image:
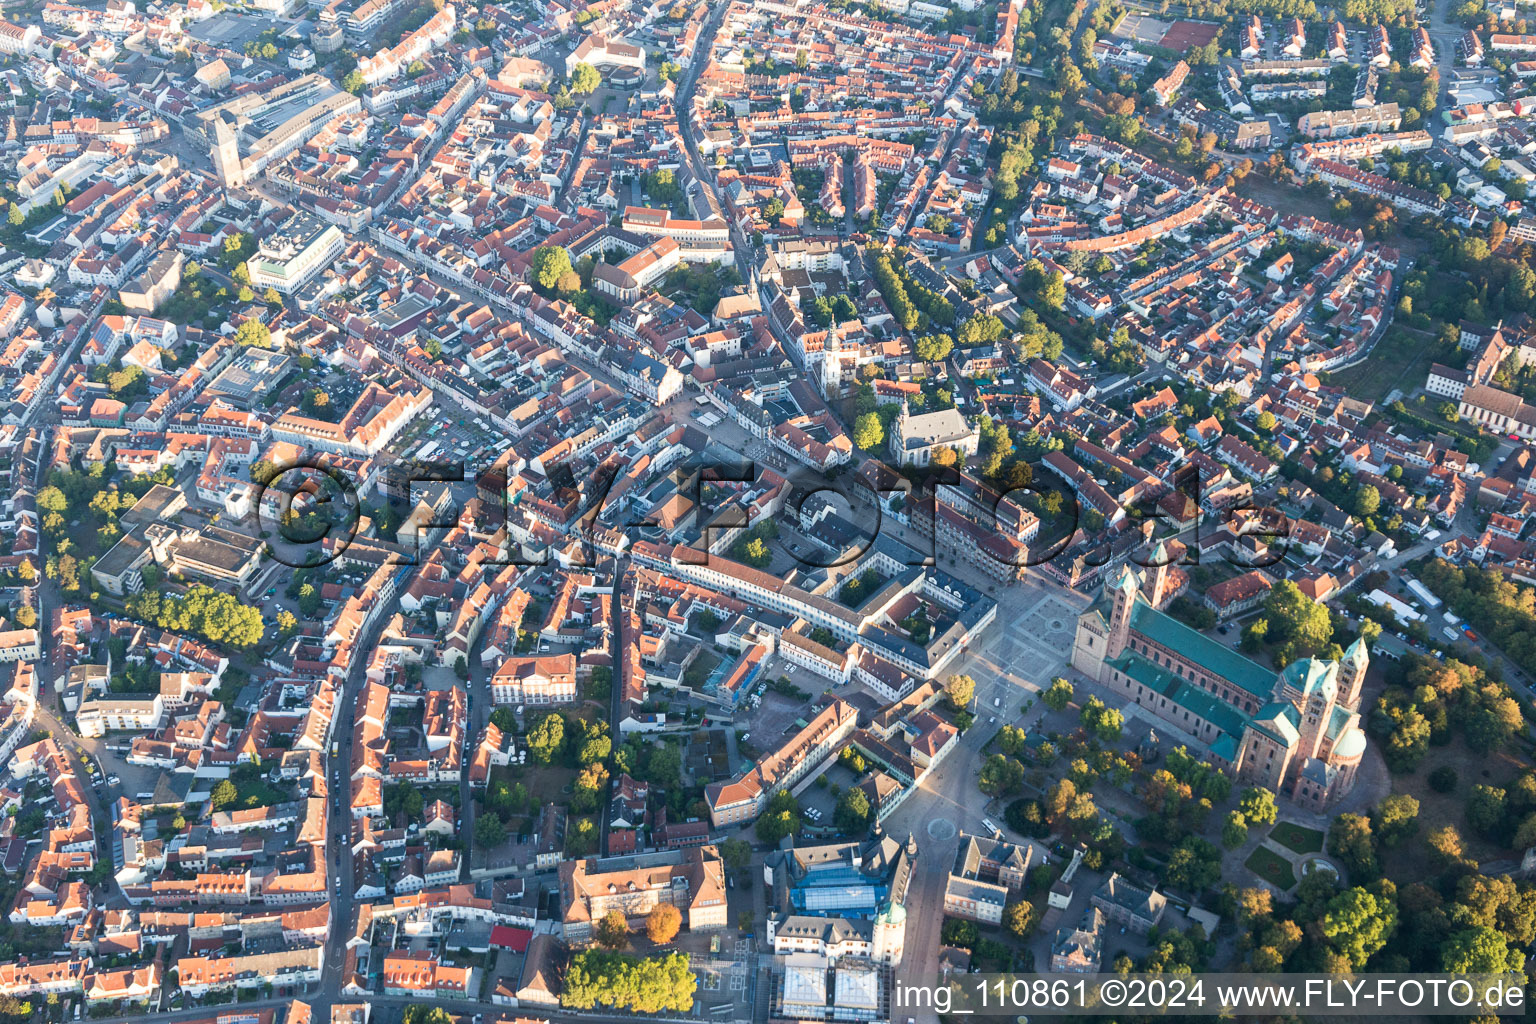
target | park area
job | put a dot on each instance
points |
(1272, 867)
(1400, 362)
(1297, 837)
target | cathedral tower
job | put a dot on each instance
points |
(1352, 674)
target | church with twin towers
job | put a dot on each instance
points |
(1297, 732)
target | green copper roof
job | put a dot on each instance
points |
(1183, 693)
(1211, 655)
(1357, 653)
(1277, 720)
(1308, 675)
(1337, 721)
(1225, 748)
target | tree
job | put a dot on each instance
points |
(309, 599)
(959, 689)
(1485, 809)
(222, 795)
(868, 432)
(756, 553)
(17, 218)
(662, 924)
(737, 854)
(69, 573)
(958, 932)
(1000, 776)
(1492, 724)
(1100, 720)
(1018, 918)
(1058, 696)
(612, 930)
(664, 766)
(781, 818)
(1480, 950)
(489, 831)
(549, 264)
(934, 348)
(853, 812)
(544, 739)
(51, 499)
(1299, 625)
(581, 840)
(595, 747)
(422, 1013)
(1358, 923)
(1257, 806)
(1367, 500)
(1444, 845)
(1254, 904)
(1396, 818)
(650, 985)
(25, 616)
(1350, 840)
(214, 615)
(404, 800)
(585, 79)
(253, 333)
(1235, 832)
(1011, 739)
(587, 790)
(353, 81)
(1194, 865)
(1053, 291)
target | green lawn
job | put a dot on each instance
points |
(253, 789)
(1272, 867)
(1296, 837)
(698, 673)
(1400, 360)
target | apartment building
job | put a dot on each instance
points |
(1125, 904)
(120, 713)
(199, 975)
(548, 679)
(986, 875)
(691, 879)
(742, 799)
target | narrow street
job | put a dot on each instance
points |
(339, 818)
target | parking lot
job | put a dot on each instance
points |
(228, 30)
(451, 437)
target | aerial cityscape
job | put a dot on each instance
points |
(525, 512)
